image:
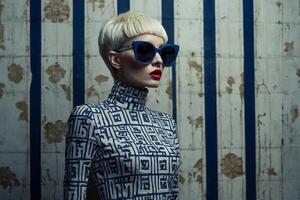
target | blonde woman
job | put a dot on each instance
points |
(128, 150)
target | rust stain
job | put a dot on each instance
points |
(232, 166)
(101, 3)
(55, 72)
(2, 86)
(92, 92)
(169, 90)
(15, 73)
(271, 172)
(54, 132)
(57, 11)
(101, 78)
(294, 113)
(289, 46)
(241, 87)
(8, 178)
(229, 90)
(199, 122)
(181, 179)
(2, 46)
(22, 105)
(195, 65)
(230, 82)
(191, 121)
(199, 165)
(196, 172)
(199, 179)
(200, 78)
(67, 90)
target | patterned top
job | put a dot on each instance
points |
(129, 150)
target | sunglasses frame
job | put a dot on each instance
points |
(135, 44)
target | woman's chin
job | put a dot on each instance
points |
(152, 83)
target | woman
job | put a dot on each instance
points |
(128, 150)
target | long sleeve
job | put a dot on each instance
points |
(79, 152)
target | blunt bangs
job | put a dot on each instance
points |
(120, 29)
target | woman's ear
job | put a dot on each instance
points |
(114, 59)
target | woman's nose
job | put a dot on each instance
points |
(157, 60)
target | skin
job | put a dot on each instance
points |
(133, 72)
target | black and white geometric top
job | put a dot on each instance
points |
(131, 152)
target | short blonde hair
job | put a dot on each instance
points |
(119, 29)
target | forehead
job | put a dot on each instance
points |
(154, 39)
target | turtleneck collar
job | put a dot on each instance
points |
(128, 97)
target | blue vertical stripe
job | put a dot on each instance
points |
(249, 84)
(210, 100)
(123, 6)
(168, 23)
(78, 53)
(35, 99)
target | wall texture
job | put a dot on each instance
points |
(185, 92)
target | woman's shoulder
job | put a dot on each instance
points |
(162, 115)
(88, 109)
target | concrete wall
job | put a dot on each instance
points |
(277, 93)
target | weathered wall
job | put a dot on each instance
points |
(277, 94)
(14, 95)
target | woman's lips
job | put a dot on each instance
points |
(156, 74)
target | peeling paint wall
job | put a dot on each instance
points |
(56, 92)
(14, 100)
(277, 99)
(277, 88)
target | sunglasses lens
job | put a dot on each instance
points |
(145, 52)
(168, 55)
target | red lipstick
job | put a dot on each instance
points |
(156, 74)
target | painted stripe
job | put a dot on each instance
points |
(35, 100)
(210, 100)
(249, 84)
(123, 6)
(78, 53)
(168, 24)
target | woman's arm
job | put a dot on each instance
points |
(79, 152)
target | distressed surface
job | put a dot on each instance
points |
(56, 92)
(190, 97)
(8, 179)
(230, 99)
(277, 94)
(277, 87)
(14, 93)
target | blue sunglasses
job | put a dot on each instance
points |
(144, 52)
